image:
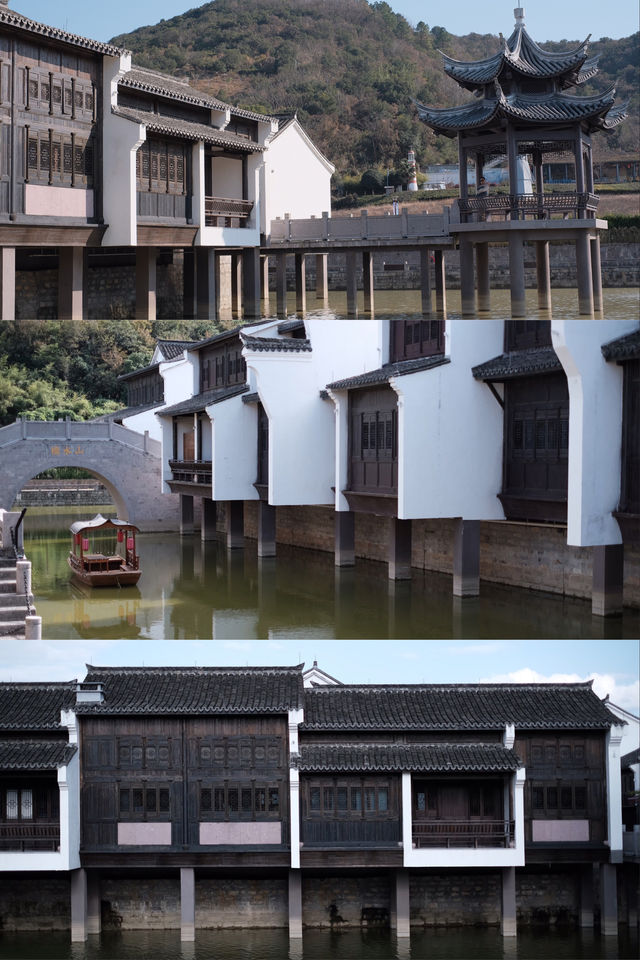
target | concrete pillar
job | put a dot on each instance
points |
(608, 900)
(608, 570)
(399, 549)
(94, 916)
(33, 627)
(23, 577)
(71, 283)
(352, 284)
(345, 554)
(236, 284)
(146, 283)
(186, 514)
(235, 524)
(367, 282)
(78, 906)
(266, 529)
(466, 558)
(189, 284)
(251, 283)
(508, 926)
(281, 284)
(187, 903)
(596, 275)
(322, 278)
(440, 284)
(301, 283)
(484, 285)
(209, 517)
(402, 904)
(206, 286)
(295, 904)
(516, 271)
(543, 275)
(583, 273)
(425, 281)
(264, 285)
(467, 283)
(586, 896)
(7, 283)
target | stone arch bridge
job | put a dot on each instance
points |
(126, 462)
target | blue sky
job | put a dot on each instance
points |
(546, 19)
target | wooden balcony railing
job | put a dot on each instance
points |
(521, 206)
(191, 471)
(464, 833)
(232, 213)
(29, 836)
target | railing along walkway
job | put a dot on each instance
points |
(191, 471)
(464, 833)
(365, 228)
(521, 206)
(29, 836)
(74, 431)
(228, 210)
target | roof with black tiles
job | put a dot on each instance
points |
(276, 344)
(172, 349)
(125, 412)
(35, 706)
(631, 758)
(289, 326)
(35, 754)
(202, 400)
(456, 707)
(12, 19)
(624, 348)
(396, 757)
(519, 363)
(399, 369)
(186, 129)
(195, 690)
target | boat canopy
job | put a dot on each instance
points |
(99, 522)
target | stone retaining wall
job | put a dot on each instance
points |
(60, 493)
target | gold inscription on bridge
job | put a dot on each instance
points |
(56, 451)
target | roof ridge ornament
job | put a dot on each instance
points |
(519, 15)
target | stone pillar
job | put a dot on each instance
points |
(508, 927)
(543, 275)
(467, 284)
(94, 916)
(187, 903)
(209, 518)
(301, 283)
(596, 274)
(71, 283)
(295, 904)
(608, 576)
(235, 524)
(322, 278)
(586, 896)
(425, 281)
(7, 283)
(484, 284)
(251, 283)
(584, 277)
(399, 549)
(206, 286)
(466, 558)
(367, 282)
(236, 284)
(608, 900)
(345, 554)
(352, 284)
(189, 283)
(440, 284)
(402, 904)
(186, 514)
(516, 270)
(266, 529)
(264, 285)
(281, 284)
(78, 906)
(145, 283)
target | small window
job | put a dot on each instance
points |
(261, 799)
(356, 799)
(552, 798)
(274, 800)
(538, 798)
(79, 99)
(205, 799)
(370, 799)
(383, 799)
(580, 794)
(341, 799)
(125, 801)
(151, 801)
(138, 806)
(57, 93)
(314, 798)
(566, 799)
(232, 797)
(88, 101)
(68, 98)
(33, 89)
(44, 92)
(246, 800)
(218, 799)
(164, 800)
(328, 799)
(421, 801)
(12, 805)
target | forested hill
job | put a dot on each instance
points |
(350, 69)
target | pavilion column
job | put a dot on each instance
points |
(537, 163)
(467, 281)
(543, 275)
(484, 284)
(236, 284)
(187, 904)
(264, 285)
(462, 167)
(578, 153)
(189, 283)
(512, 160)
(266, 529)
(399, 549)
(508, 925)
(206, 285)
(94, 916)
(367, 282)
(466, 558)
(251, 283)
(352, 284)
(425, 281)
(584, 276)
(440, 282)
(7, 283)
(516, 271)
(345, 553)
(301, 283)
(209, 518)
(322, 278)
(596, 274)
(186, 514)
(71, 272)
(295, 904)
(608, 900)
(281, 284)
(78, 905)
(608, 570)
(235, 524)
(402, 904)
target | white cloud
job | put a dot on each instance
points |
(622, 692)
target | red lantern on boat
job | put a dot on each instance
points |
(120, 536)
(85, 543)
(130, 543)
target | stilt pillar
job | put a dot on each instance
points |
(352, 284)
(301, 283)
(543, 275)
(235, 524)
(367, 282)
(251, 283)
(425, 281)
(466, 558)
(236, 284)
(399, 549)
(186, 514)
(281, 284)
(7, 283)
(145, 283)
(516, 271)
(345, 554)
(266, 529)
(187, 904)
(596, 274)
(467, 284)
(208, 521)
(439, 281)
(482, 269)
(264, 285)
(322, 278)
(608, 900)
(206, 286)
(189, 284)
(586, 896)
(585, 279)
(78, 905)
(295, 904)
(71, 264)
(508, 927)
(94, 916)
(402, 904)
(608, 576)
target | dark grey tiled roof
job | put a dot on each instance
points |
(126, 412)
(172, 349)
(138, 372)
(389, 370)
(288, 326)
(520, 363)
(624, 348)
(53, 33)
(195, 690)
(202, 400)
(455, 707)
(186, 129)
(276, 344)
(35, 706)
(395, 757)
(630, 758)
(35, 754)
(251, 398)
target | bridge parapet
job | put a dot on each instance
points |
(77, 430)
(406, 226)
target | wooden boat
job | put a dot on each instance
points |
(116, 565)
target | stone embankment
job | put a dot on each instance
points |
(62, 493)
(15, 603)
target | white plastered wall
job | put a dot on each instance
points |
(595, 427)
(180, 383)
(296, 717)
(614, 792)
(247, 236)
(234, 446)
(296, 178)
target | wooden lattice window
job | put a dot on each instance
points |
(34, 88)
(68, 97)
(79, 100)
(88, 101)
(67, 159)
(45, 91)
(32, 153)
(57, 93)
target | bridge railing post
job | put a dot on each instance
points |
(405, 222)
(110, 429)
(23, 428)
(364, 224)
(67, 428)
(145, 445)
(446, 220)
(325, 224)
(287, 220)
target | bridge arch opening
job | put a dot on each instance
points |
(116, 500)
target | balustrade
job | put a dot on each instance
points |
(29, 836)
(521, 206)
(464, 833)
(233, 213)
(191, 471)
